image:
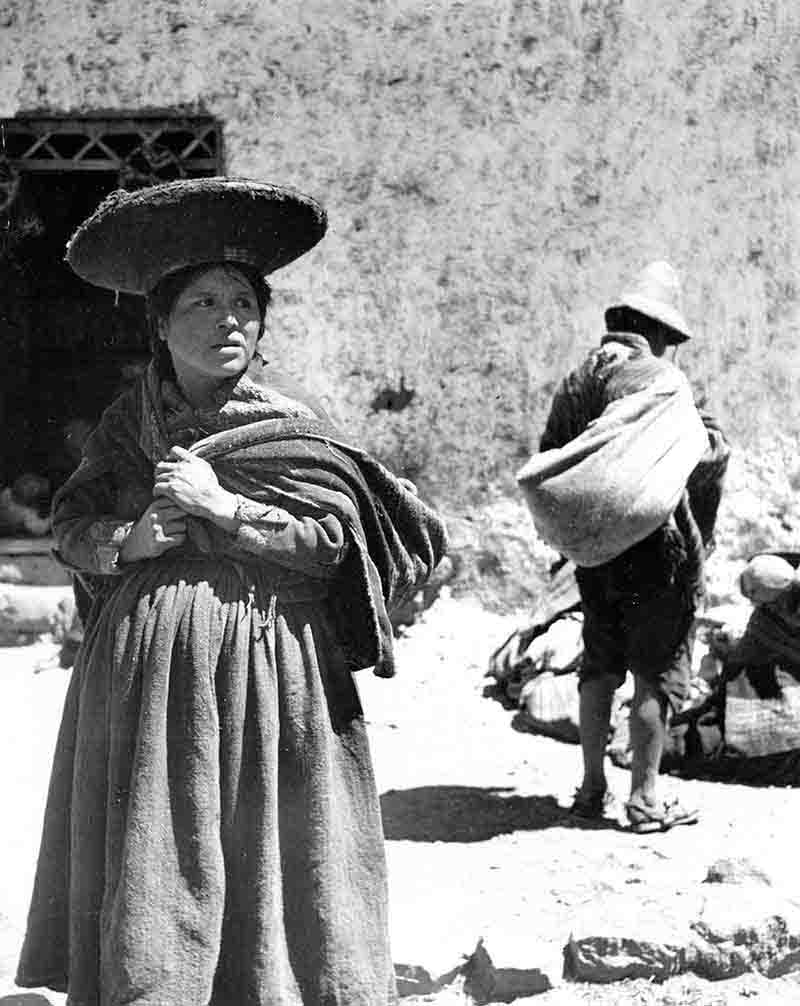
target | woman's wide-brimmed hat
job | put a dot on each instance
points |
(656, 292)
(133, 239)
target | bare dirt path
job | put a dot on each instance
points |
(478, 843)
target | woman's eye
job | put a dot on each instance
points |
(244, 302)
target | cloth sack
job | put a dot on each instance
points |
(620, 479)
(558, 650)
(756, 725)
(515, 660)
(550, 705)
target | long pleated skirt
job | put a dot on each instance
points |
(212, 832)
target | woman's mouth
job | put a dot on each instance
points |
(236, 343)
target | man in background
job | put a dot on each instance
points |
(639, 607)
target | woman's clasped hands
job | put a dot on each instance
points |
(185, 484)
(161, 527)
(191, 483)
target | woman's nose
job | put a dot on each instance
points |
(228, 320)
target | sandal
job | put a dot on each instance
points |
(590, 805)
(661, 817)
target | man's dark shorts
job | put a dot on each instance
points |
(637, 615)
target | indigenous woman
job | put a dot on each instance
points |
(213, 832)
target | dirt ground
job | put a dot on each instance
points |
(479, 845)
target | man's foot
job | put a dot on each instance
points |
(644, 818)
(590, 805)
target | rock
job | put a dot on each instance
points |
(605, 959)
(479, 977)
(736, 871)
(742, 928)
(413, 980)
(484, 982)
(634, 934)
(518, 983)
(729, 929)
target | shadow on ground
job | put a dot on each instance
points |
(471, 814)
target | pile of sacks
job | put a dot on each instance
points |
(742, 716)
(535, 668)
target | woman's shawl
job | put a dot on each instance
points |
(278, 447)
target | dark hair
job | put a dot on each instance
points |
(161, 300)
(627, 319)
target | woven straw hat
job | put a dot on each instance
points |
(133, 239)
(656, 292)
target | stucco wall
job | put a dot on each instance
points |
(493, 174)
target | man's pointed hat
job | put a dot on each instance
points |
(656, 292)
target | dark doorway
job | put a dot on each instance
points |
(66, 347)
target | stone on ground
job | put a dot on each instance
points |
(486, 982)
(737, 870)
(413, 980)
(478, 980)
(734, 923)
(743, 928)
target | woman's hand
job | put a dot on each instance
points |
(161, 527)
(191, 483)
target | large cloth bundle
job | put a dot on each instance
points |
(757, 724)
(620, 479)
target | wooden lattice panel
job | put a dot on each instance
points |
(140, 150)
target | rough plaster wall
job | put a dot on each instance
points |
(493, 173)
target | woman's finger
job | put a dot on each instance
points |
(164, 482)
(167, 543)
(181, 452)
(163, 532)
(165, 467)
(174, 527)
(164, 478)
(162, 503)
(170, 473)
(178, 517)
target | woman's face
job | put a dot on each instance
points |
(213, 327)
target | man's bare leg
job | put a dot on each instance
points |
(648, 727)
(596, 696)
